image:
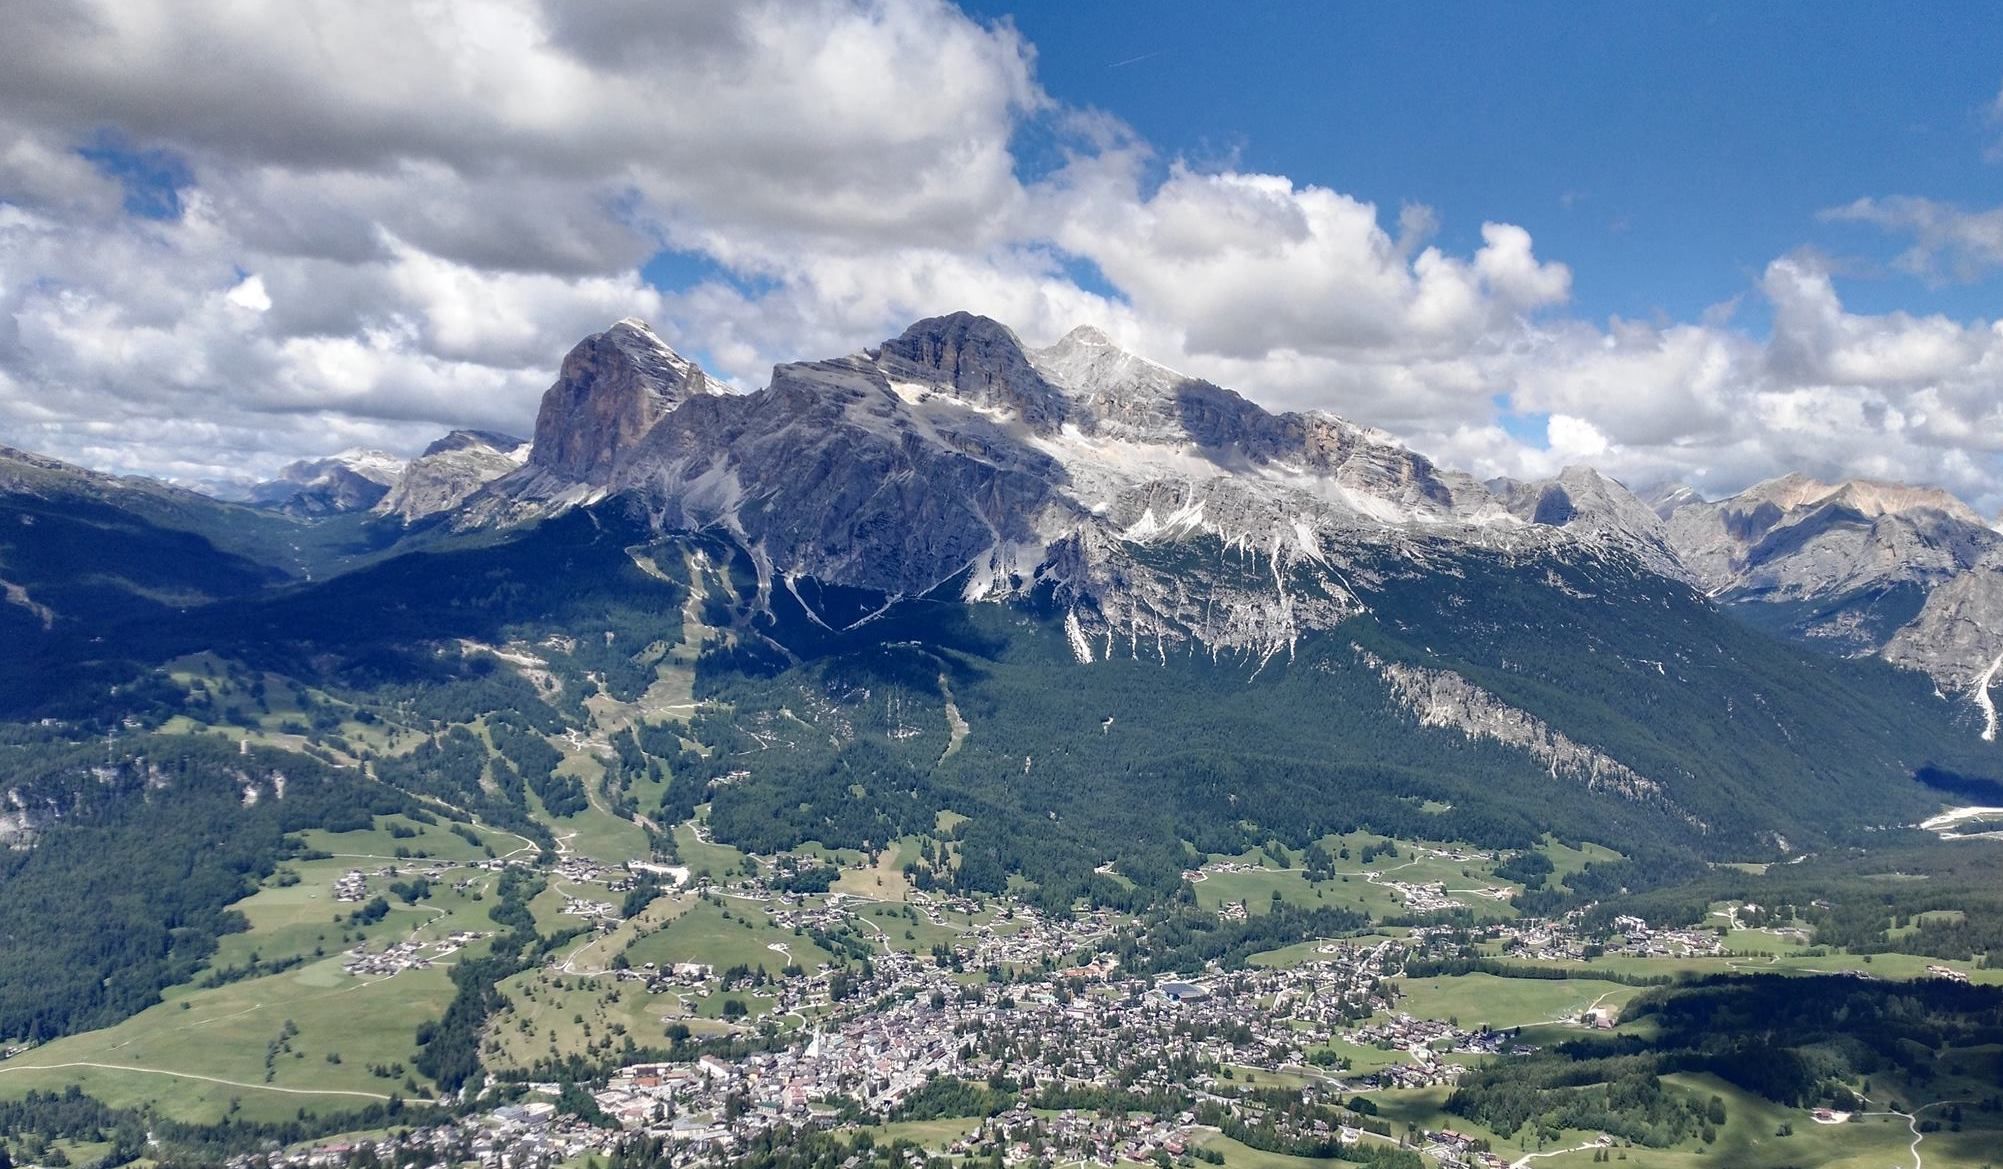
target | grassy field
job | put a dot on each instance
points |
(202, 1048)
(913, 931)
(1889, 966)
(1477, 999)
(885, 880)
(745, 937)
(1355, 885)
(1566, 860)
(553, 1014)
(932, 1135)
(1426, 1108)
(432, 841)
(195, 1054)
(714, 859)
(1750, 1139)
(1240, 1156)
(594, 832)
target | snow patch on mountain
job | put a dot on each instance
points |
(1161, 510)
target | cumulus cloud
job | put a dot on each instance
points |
(1948, 242)
(235, 235)
(1252, 264)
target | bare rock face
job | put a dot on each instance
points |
(1908, 573)
(830, 472)
(1958, 634)
(349, 481)
(1442, 698)
(611, 390)
(450, 470)
(951, 456)
(1120, 398)
(1794, 538)
(1584, 500)
(1161, 511)
(979, 361)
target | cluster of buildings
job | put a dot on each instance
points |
(595, 910)
(352, 885)
(917, 1021)
(1035, 1002)
(1071, 1135)
(516, 1136)
(409, 954)
(1636, 937)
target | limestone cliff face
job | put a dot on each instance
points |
(1862, 567)
(951, 455)
(1958, 634)
(978, 361)
(450, 470)
(612, 388)
(1442, 698)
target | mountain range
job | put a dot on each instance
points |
(1108, 611)
(955, 453)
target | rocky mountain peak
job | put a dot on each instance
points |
(1667, 499)
(978, 360)
(349, 481)
(450, 470)
(1870, 498)
(1786, 493)
(1875, 497)
(612, 388)
(460, 440)
(1582, 499)
(1116, 392)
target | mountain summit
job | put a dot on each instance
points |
(613, 387)
(1862, 566)
(952, 456)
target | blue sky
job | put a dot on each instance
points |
(1666, 152)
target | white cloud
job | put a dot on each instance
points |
(395, 218)
(1948, 242)
(1251, 264)
(250, 295)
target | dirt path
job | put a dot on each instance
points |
(1523, 1162)
(112, 1067)
(1912, 1120)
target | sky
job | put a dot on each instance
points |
(1682, 243)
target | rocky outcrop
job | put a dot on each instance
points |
(978, 361)
(1795, 537)
(1584, 500)
(1121, 399)
(350, 481)
(612, 388)
(952, 456)
(1958, 633)
(1862, 567)
(1442, 698)
(450, 471)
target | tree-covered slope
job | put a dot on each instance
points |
(1477, 696)
(138, 850)
(1749, 745)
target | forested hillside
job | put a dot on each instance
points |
(139, 847)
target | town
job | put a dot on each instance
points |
(1034, 1016)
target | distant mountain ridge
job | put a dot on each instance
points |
(353, 480)
(1911, 574)
(953, 457)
